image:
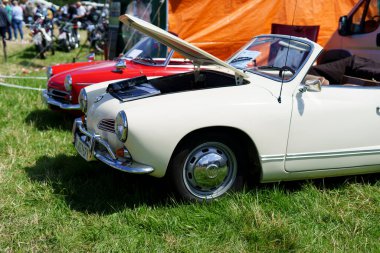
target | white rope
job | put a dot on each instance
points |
(20, 87)
(25, 77)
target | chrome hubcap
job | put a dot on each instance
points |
(210, 170)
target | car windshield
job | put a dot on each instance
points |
(148, 51)
(272, 56)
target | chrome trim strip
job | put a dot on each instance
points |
(272, 158)
(130, 167)
(316, 155)
(332, 154)
(51, 101)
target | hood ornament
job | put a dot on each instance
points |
(120, 66)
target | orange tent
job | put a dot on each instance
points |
(222, 27)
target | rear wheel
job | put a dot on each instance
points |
(205, 169)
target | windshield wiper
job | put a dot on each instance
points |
(147, 59)
(264, 67)
(269, 67)
(241, 59)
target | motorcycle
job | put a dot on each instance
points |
(97, 34)
(42, 35)
(67, 39)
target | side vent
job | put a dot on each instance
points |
(107, 125)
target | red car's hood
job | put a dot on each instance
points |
(58, 68)
(96, 73)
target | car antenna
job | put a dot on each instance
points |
(286, 58)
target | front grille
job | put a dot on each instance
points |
(59, 95)
(107, 125)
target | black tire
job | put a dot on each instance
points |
(206, 167)
(99, 46)
(65, 44)
(40, 50)
(52, 49)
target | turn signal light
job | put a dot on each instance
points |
(120, 152)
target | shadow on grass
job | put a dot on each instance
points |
(27, 53)
(48, 119)
(29, 64)
(26, 56)
(96, 188)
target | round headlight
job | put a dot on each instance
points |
(121, 126)
(83, 100)
(68, 82)
(49, 72)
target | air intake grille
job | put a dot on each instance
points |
(107, 125)
(59, 95)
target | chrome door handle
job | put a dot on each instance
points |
(378, 110)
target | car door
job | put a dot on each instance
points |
(335, 128)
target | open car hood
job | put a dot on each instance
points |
(197, 55)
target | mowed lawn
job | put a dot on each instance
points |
(51, 200)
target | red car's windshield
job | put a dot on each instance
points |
(149, 52)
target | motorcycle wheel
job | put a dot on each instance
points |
(65, 45)
(99, 46)
(52, 49)
(40, 51)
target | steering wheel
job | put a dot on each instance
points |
(286, 68)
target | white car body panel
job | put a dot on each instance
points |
(145, 113)
(347, 134)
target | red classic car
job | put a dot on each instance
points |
(148, 57)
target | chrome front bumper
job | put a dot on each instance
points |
(98, 148)
(51, 101)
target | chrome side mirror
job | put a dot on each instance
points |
(120, 65)
(312, 85)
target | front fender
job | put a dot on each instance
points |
(157, 124)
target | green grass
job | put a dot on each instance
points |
(51, 200)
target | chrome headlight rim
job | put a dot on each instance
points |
(68, 83)
(121, 126)
(83, 100)
(49, 72)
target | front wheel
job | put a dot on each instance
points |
(205, 169)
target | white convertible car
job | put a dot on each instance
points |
(260, 114)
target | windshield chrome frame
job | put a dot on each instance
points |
(136, 59)
(166, 62)
(289, 37)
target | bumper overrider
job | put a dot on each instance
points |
(51, 101)
(92, 147)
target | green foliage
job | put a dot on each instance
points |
(62, 2)
(53, 201)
